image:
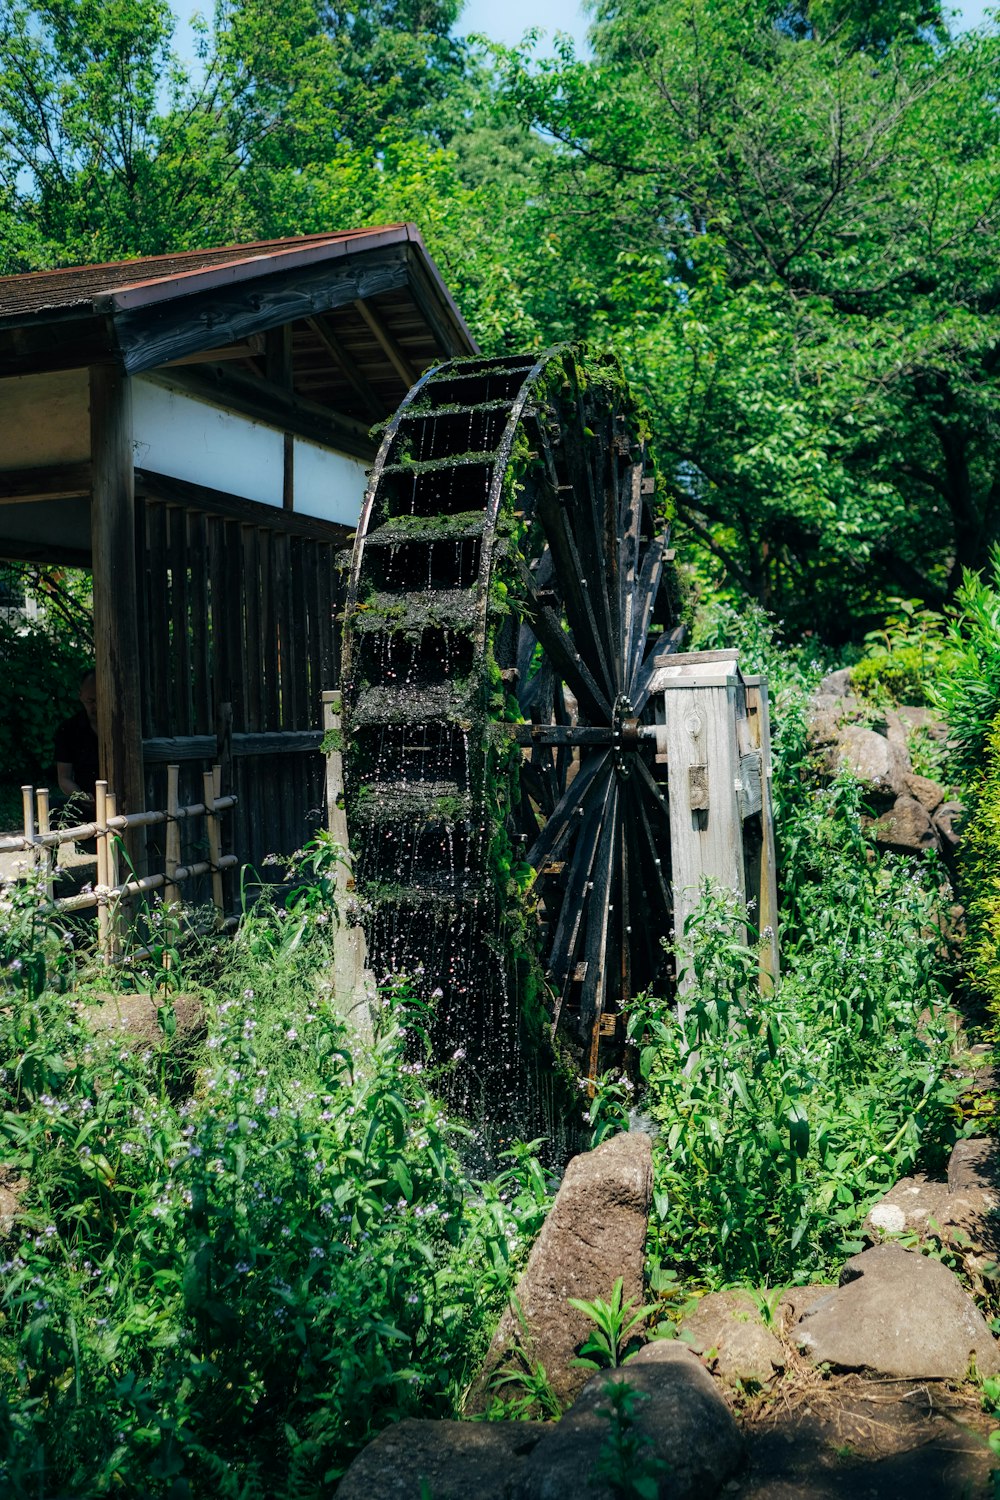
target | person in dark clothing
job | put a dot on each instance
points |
(76, 749)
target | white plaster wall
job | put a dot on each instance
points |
(173, 433)
(327, 484)
(44, 419)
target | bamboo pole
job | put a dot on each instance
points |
(13, 843)
(45, 852)
(103, 915)
(114, 902)
(28, 813)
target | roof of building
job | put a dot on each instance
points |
(378, 287)
(174, 274)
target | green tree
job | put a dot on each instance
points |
(792, 218)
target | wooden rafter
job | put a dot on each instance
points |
(321, 328)
(392, 351)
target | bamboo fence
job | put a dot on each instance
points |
(41, 841)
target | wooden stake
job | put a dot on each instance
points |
(214, 842)
(336, 814)
(28, 811)
(103, 922)
(114, 879)
(172, 857)
(47, 853)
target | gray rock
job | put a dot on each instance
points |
(974, 1165)
(930, 794)
(917, 717)
(917, 1205)
(12, 1190)
(797, 1300)
(836, 684)
(878, 764)
(453, 1460)
(948, 821)
(595, 1233)
(899, 1313)
(135, 1018)
(729, 1323)
(680, 1412)
(906, 828)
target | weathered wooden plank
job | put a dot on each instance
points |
(201, 650)
(150, 335)
(198, 496)
(164, 749)
(157, 641)
(180, 622)
(766, 881)
(303, 712)
(116, 618)
(253, 654)
(49, 482)
(407, 373)
(271, 695)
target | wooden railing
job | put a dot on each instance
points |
(41, 841)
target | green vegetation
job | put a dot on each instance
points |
(245, 1256)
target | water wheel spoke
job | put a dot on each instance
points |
(665, 645)
(630, 524)
(538, 784)
(563, 734)
(598, 916)
(572, 924)
(590, 529)
(562, 650)
(646, 589)
(587, 784)
(647, 797)
(575, 590)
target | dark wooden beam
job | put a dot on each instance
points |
(279, 372)
(251, 512)
(331, 343)
(12, 549)
(50, 482)
(406, 372)
(153, 334)
(205, 746)
(116, 616)
(46, 343)
(264, 402)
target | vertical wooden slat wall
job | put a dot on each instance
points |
(237, 613)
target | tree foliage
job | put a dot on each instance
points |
(784, 218)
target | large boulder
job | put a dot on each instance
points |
(878, 763)
(900, 1314)
(974, 1165)
(930, 794)
(448, 1460)
(135, 1019)
(688, 1440)
(595, 1233)
(906, 828)
(726, 1328)
(948, 822)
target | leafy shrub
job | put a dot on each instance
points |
(979, 863)
(968, 695)
(240, 1264)
(783, 1116)
(904, 660)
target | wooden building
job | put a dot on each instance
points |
(195, 429)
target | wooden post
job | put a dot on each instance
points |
(208, 782)
(103, 873)
(172, 853)
(114, 876)
(336, 814)
(116, 618)
(48, 856)
(766, 874)
(28, 815)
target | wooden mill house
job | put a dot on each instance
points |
(194, 428)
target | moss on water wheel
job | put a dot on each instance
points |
(509, 589)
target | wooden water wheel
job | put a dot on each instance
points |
(508, 592)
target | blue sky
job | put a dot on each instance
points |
(508, 21)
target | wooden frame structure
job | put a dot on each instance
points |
(195, 428)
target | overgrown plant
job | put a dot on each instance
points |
(783, 1115)
(240, 1264)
